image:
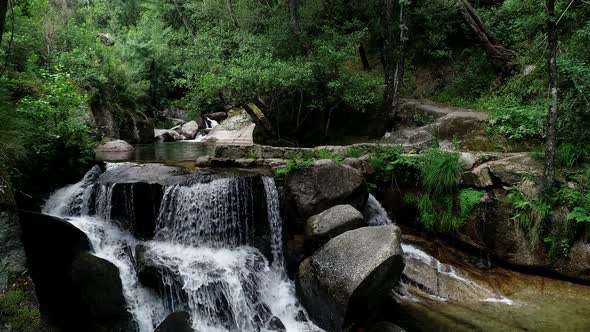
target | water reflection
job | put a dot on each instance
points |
(161, 152)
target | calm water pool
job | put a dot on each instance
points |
(161, 152)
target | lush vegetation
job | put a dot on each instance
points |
(65, 65)
(18, 311)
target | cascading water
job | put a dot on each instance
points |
(436, 279)
(202, 250)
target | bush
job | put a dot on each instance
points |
(17, 311)
(529, 214)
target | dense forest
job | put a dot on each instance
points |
(75, 74)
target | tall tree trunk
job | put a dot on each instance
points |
(230, 9)
(363, 55)
(395, 15)
(294, 21)
(551, 131)
(500, 55)
(3, 10)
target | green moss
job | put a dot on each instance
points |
(17, 311)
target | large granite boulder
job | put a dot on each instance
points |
(167, 135)
(346, 280)
(136, 128)
(114, 146)
(333, 222)
(326, 183)
(189, 129)
(179, 321)
(76, 290)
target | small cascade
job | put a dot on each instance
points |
(274, 220)
(204, 250)
(215, 214)
(375, 213)
(426, 275)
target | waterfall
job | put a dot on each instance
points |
(375, 213)
(204, 251)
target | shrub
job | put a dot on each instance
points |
(530, 214)
(468, 200)
(17, 312)
(569, 155)
(292, 165)
(440, 171)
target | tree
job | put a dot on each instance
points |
(3, 10)
(500, 55)
(295, 23)
(395, 37)
(551, 130)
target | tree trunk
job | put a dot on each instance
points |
(230, 9)
(551, 131)
(501, 56)
(363, 55)
(294, 21)
(3, 10)
(393, 51)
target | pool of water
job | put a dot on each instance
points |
(161, 152)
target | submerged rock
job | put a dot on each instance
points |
(345, 280)
(385, 327)
(333, 222)
(325, 184)
(179, 321)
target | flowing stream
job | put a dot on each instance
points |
(202, 252)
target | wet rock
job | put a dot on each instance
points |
(167, 135)
(189, 129)
(333, 222)
(97, 285)
(148, 173)
(203, 161)
(325, 184)
(216, 116)
(385, 327)
(136, 128)
(114, 146)
(12, 254)
(179, 321)
(275, 325)
(346, 279)
(76, 290)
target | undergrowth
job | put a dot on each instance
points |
(17, 312)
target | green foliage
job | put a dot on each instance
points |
(292, 165)
(557, 247)
(17, 311)
(570, 155)
(529, 214)
(440, 171)
(436, 213)
(468, 200)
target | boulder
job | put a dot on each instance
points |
(384, 327)
(467, 160)
(97, 288)
(179, 321)
(513, 169)
(136, 128)
(479, 177)
(459, 124)
(76, 290)
(114, 146)
(346, 280)
(167, 135)
(325, 184)
(275, 325)
(333, 222)
(216, 116)
(189, 129)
